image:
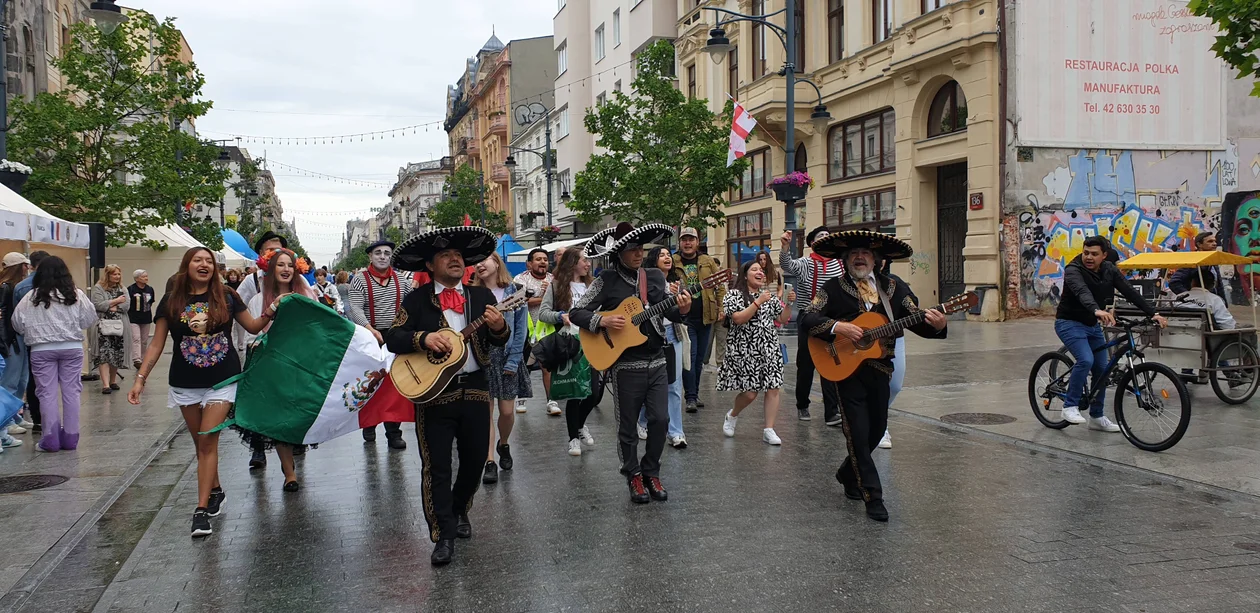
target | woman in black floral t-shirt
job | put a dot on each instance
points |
(198, 312)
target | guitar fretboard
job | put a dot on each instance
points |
(505, 306)
(893, 328)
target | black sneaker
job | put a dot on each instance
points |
(692, 406)
(215, 505)
(201, 523)
(491, 475)
(505, 456)
(834, 420)
(396, 442)
(803, 414)
(699, 405)
(258, 459)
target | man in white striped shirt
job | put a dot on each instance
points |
(810, 272)
(376, 295)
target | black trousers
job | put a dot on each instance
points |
(805, 379)
(864, 402)
(438, 428)
(576, 410)
(32, 400)
(393, 429)
(646, 388)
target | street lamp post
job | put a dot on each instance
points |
(718, 46)
(545, 154)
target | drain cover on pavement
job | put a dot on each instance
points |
(977, 419)
(26, 483)
(1248, 546)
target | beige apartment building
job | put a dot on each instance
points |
(913, 146)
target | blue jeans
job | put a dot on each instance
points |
(699, 336)
(675, 397)
(899, 370)
(17, 374)
(1084, 343)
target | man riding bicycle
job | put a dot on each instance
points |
(1088, 285)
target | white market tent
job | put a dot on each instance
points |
(24, 227)
(520, 256)
(161, 265)
(232, 258)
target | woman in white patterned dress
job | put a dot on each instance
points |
(753, 362)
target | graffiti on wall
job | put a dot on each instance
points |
(1240, 234)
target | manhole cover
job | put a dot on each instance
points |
(26, 483)
(978, 419)
(1248, 546)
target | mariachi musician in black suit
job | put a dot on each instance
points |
(462, 411)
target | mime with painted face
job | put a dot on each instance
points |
(376, 296)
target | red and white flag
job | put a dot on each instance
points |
(467, 220)
(741, 125)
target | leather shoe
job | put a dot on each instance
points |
(638, 494)
(876, 510)
(464, 528)
(397, 442)
(655, 489)
(491, 474)
(850, 491)
(369, 435)
(443, 552)
(505, 456)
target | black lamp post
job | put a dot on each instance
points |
(719, 46)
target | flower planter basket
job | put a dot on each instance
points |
(786, 192)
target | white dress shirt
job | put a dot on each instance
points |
(457, 321)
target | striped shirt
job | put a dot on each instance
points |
(386, 299)
(804, 270)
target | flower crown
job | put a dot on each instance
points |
(264, 260)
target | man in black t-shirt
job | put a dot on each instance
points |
(706, 309)
(140, 298)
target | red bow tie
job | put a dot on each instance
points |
(451, 300)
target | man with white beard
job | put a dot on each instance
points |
(376, 295)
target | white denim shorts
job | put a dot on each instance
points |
(188, 396)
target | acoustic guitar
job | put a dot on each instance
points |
(837, 360)
(424, 375)
(604, 347)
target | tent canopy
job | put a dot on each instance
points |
(1182, 259)
(507, 246)
(21, 220)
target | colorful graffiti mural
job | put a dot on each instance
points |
(1240, 234)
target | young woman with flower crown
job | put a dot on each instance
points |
(283, 272)
(198, 312)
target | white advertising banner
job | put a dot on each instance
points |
(13, 226)
(1117, 74)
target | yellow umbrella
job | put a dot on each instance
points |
(1182, 259)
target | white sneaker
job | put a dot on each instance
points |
(677, 442)
(553, 408)
(26, 423)
(575, 447)
(642, 432)
(16, 429)
(11, 442)
(728, 426)
(520, 406)
(769, 436)
(1072, 415)
(1103, 424)
(584, 435)
(886, 442)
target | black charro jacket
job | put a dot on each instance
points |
(421, 314)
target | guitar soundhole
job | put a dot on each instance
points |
(437, 358)
(863, 344)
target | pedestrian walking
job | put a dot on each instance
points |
(753, 361)
(811, 273)
(233, 278)
(53, 317)
(198, 313)
(376, 298)
(536, 280)
(28, 380)
(571, 281)
(110, 299)
(706, 311)
(140, 299)
(326, 292)
(14, 372)
(507, 378)
(660, 258)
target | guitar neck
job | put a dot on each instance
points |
(656, 311)
(894, 328)
(503, 307)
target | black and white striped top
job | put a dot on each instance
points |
(803, 269)
(386, 299)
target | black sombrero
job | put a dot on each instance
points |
(269, 235)
(614, 240)
(473, 242)
(884, 245)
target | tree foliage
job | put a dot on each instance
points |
(464, 197)
(107, 148)
(664, 158)
(1239, 40)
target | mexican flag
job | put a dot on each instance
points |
(315, 376)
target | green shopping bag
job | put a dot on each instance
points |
(573, 380)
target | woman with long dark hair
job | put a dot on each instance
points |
(753, 362)
(198, 312)
(508, 378)
(659, 257)
(766, 263)
(52, 318)
(569, 283)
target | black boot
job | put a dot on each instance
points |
(876, 510)
(258, 459)
(850, 491)
(369, 435)
(464, 528)
(443, 552)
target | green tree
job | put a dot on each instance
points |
(464, 197)
(107, 148)
(664, 158)
(1239, 38)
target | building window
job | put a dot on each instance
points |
(881, 20)
(617, 86)
(732, 71)
(599, 100)
(800, 35)
(746, 236)
(599, 43)
(932, 5)
(870, 211)
(753, 183)
(691, 81)
(800, 162)
(759, 41)
(617, 28)
(862, 146)
(562, 124)
(949, 110)
(835, 30)
(562, 58)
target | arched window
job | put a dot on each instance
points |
(801, 163)
(949, 110)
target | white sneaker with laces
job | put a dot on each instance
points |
(1103, 424)
(728, 426)
(520, 406)
(11, 442)
(677, 442)
(886, 442)
(770, 437)
(642, 432)
(26, 423)
(584, 435)
(575, 447)
(1072, 415)
(16, 429)
(553, 408)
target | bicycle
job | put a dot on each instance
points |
(1150, 423)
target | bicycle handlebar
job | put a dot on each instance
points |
(1129, 324)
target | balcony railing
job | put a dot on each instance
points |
(500, 174)
(474, 147)
(498, 124)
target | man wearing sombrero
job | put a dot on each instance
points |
(639, 377)
(462, 411)
(864, 395)
(376, 295)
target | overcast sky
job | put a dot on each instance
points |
(286, 68)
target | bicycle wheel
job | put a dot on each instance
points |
(1152, 406)
(1235, 386)
(1047, 385)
